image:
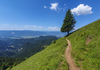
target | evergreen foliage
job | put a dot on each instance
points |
(7, 62)
(35, 46)
(30, 47)
(68, 23)
(20, 46)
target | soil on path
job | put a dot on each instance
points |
(70, 60)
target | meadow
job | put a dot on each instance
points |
(86, 46)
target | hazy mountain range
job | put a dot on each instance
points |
(28, 34)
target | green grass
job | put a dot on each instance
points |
(52, 58)
(87, 56)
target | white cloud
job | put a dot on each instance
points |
(27, 27)
(57, 7)
(30, 26)
(63, 9)
(40, 27)
(54, 28)
(82, 10)
(34, 26)
(64, 4)
(45, 6)
(54, 6)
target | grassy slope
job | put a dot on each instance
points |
(87, 56)
(52, 58)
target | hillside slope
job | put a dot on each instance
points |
(52, 58)
(85, 50)
(86, 46)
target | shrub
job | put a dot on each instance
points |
(54, 41)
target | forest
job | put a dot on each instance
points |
(14, 51)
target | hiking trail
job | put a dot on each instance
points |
(70, 60)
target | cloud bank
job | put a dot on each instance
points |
(82, 10)
(28, 27)
(54, 28)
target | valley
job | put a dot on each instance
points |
(15, 50)
(14, 47)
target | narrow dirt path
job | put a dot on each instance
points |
(70, 60)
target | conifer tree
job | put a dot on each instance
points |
(68, 23)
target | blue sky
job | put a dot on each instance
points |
(46, 15)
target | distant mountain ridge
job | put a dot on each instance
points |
(28, 33)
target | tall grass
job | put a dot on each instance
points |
(52, 58)
(87, 56)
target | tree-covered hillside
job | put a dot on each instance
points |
(6, 62)
(29, 48)
(35, 45)
(18, 47)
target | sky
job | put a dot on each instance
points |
(46, 15)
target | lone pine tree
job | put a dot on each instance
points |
(68, 23)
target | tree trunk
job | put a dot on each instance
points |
(68, 33)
